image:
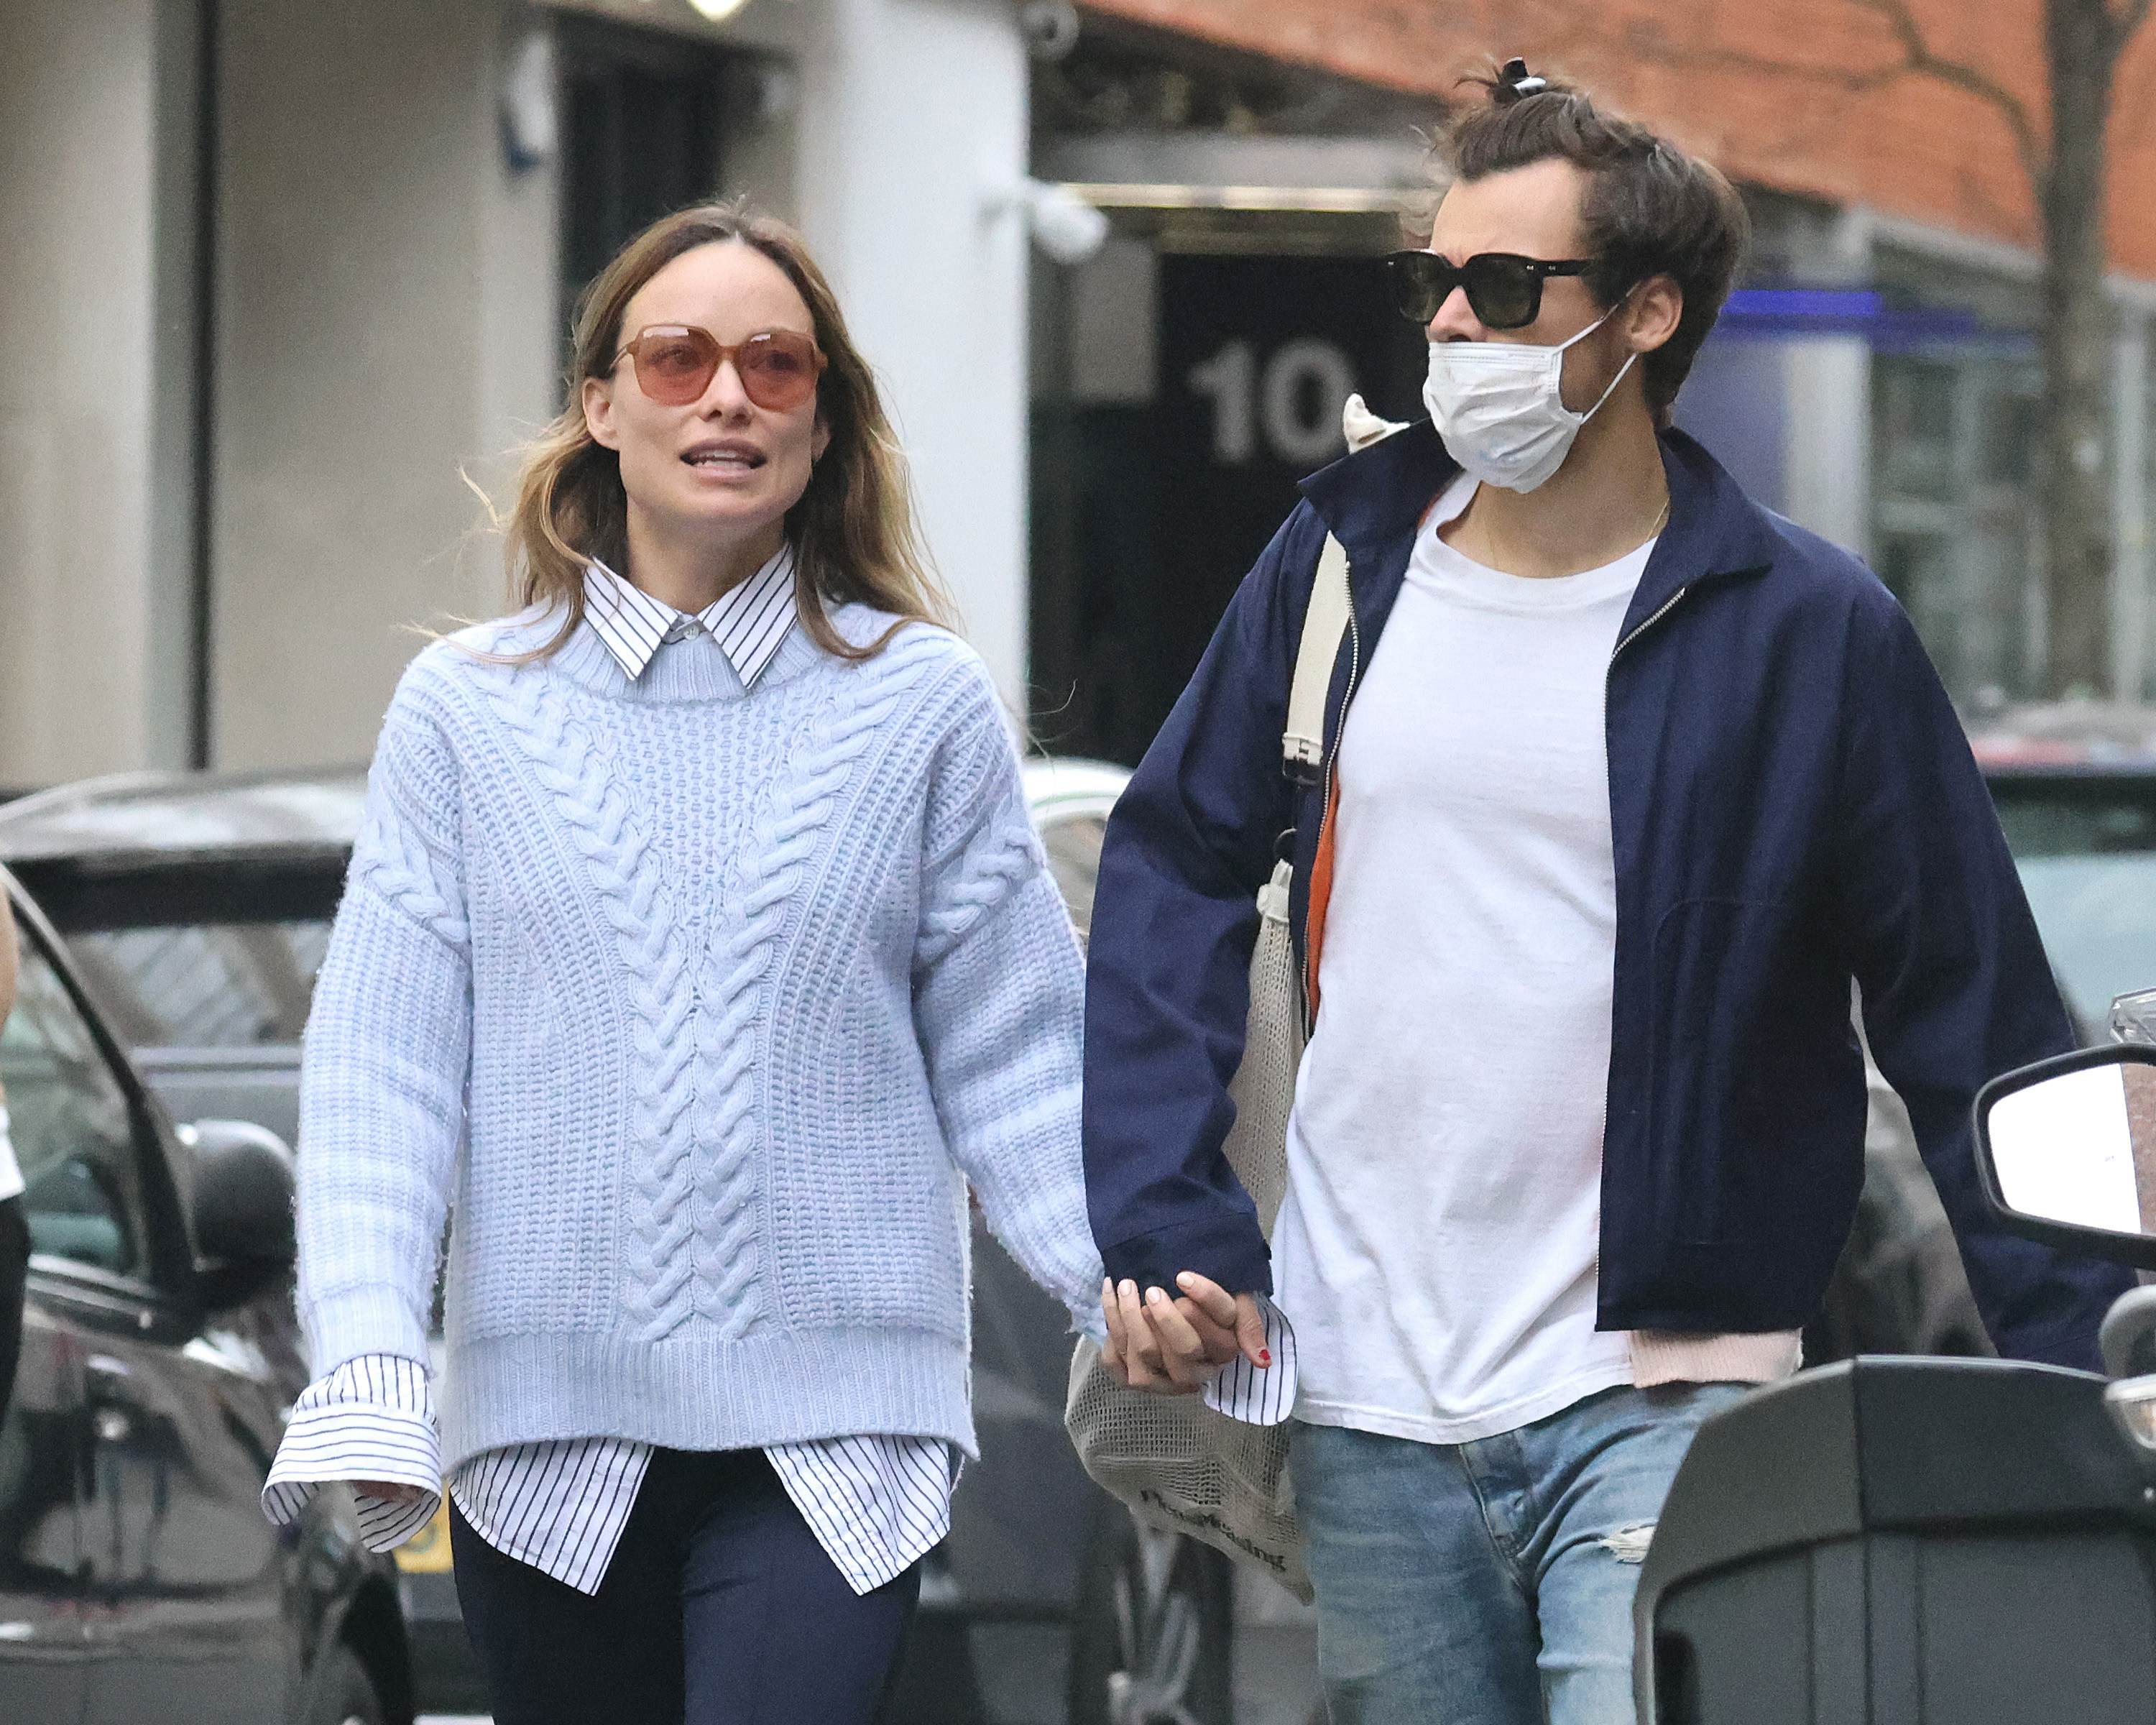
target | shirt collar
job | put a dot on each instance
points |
(749, 623)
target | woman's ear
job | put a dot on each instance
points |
(819, 440)
(599, 412)
(1657, 308)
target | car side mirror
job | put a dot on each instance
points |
(241, 1206)
(2066, 1152)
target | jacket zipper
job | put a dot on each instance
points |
(1667, 606)
(1347, 695)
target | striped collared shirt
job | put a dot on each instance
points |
(875, 1503)
(748, 622)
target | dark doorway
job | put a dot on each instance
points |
(641, 115)
(1149, 511)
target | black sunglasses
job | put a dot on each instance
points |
(1504, 289)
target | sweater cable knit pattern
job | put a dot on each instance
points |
(785, 842)
(708, 1262)
(632, 890)
(391, 859)
(701, 1006)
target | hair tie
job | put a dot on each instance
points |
(1517, 78)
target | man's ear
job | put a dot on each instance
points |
(599, 412)
(1653, 313)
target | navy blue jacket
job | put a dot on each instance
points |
(1793, 804)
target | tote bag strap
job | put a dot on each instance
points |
(1303, 743)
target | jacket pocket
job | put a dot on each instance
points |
(1756, 1116)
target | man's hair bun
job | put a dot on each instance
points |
(1515, 83)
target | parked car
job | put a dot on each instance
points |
(197, 908)
(138, 1578)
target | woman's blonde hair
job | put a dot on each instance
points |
(853, 532)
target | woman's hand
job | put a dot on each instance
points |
(1177, 1346)
(385, 1492)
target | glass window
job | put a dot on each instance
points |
(211, 985)
(72, 1129)
(2087, 854)
(1913, 421)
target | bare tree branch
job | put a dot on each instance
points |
(1917, 60)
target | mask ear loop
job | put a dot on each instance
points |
(1582, 337)
(1610, 391)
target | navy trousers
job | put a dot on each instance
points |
(719, 1608)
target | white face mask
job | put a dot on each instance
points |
(1500, 406)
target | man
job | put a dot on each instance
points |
(1624, 781)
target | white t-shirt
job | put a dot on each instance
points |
(1436, 1251)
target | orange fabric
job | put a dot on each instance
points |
(1321, 897)
(1802, 96)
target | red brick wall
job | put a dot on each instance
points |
(1763, 87)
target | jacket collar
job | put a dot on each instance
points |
(1373, 502)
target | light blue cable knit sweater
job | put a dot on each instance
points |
(695, 1002)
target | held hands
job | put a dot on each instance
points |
(1177, 1346)
(385, 1492)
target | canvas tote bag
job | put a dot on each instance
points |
(1181, 1467)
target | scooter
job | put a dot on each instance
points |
(1899, 1541)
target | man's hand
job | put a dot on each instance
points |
(1177, 1346)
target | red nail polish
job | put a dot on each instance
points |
(1265, 1356)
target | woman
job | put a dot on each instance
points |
(696, 941)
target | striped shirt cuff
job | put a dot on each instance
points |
(1259, 1396)
(371, 1418)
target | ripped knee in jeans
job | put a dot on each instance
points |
(1629, 1544)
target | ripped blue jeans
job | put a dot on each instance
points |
(1490, 1582)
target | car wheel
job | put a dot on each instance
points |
(1154, 1629)
(343, 1693)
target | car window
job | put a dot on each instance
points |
(216, 985)
(73, 1131)
(198, 952)
(1073, 845)
(2098, 916)
(2086, 849)
(2073, 818)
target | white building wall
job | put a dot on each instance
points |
(388, 316)
(77, 120)
(385, 312)
(911, 139)
(386, 320)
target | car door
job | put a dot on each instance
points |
(43, 1640)
(183, 1597)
